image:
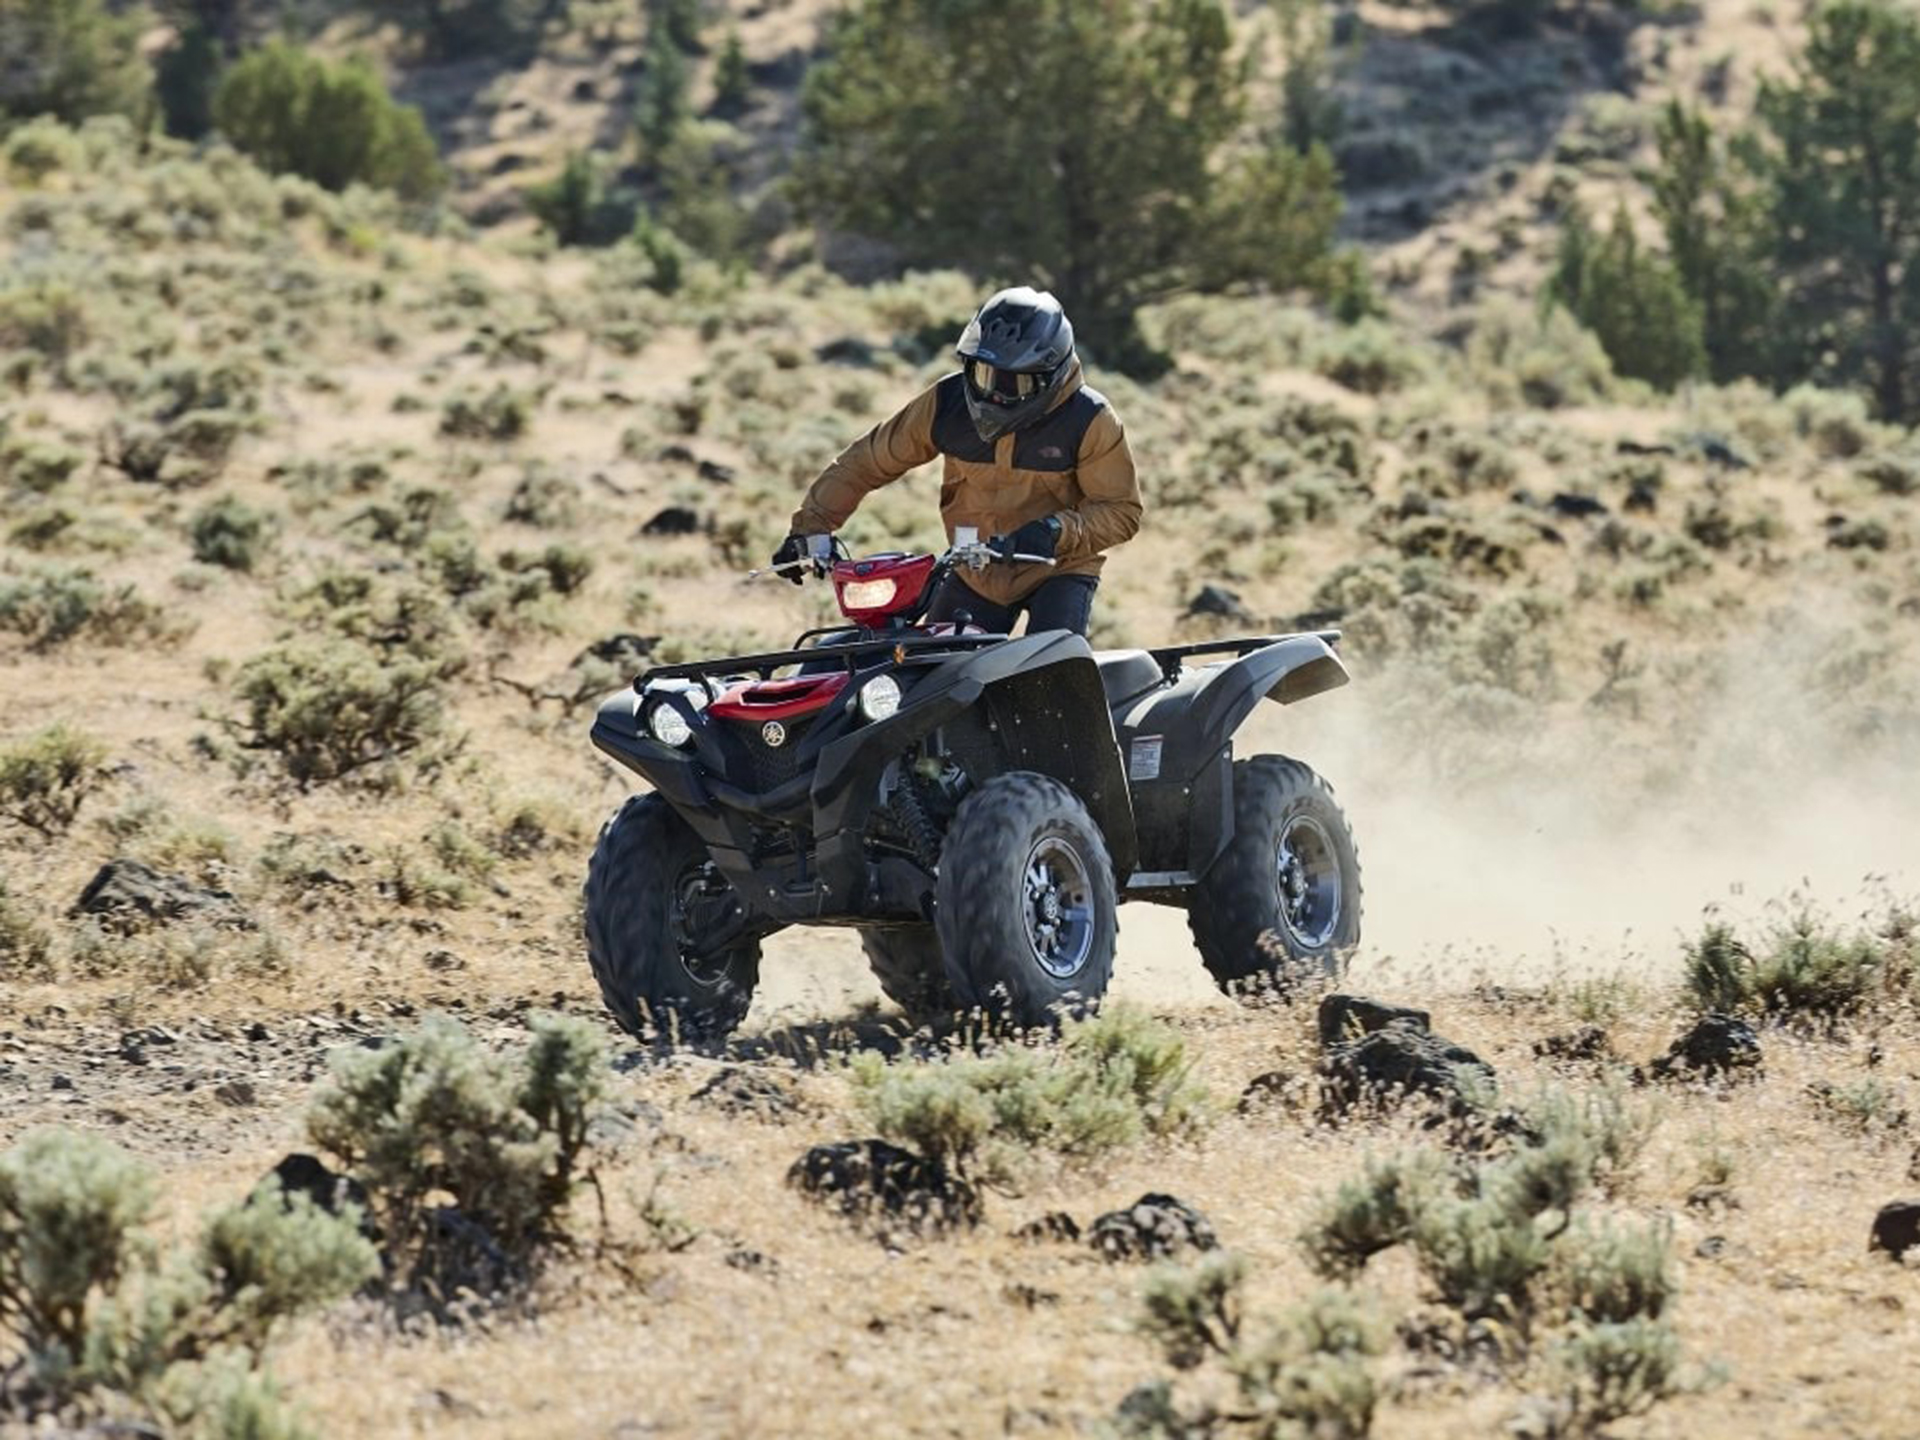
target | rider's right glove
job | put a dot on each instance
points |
(1036, 537)
(787, 559)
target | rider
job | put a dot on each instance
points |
(1032, 458)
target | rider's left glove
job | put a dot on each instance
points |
(790, 558)
(1036, 537)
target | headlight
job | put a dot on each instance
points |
(867, 594)
(880, 696)
(668, 725)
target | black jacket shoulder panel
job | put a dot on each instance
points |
(953, 432)
(1053, 441)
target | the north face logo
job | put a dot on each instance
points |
(1052, 452)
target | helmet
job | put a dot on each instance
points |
(1013, 356)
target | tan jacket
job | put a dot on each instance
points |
(1073, 462)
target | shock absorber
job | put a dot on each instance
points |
(910, 807)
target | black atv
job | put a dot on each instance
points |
(975, 805)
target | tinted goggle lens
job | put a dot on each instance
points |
(1002, 386)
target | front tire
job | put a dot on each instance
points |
(1282, 903)
(649, 885)
(905, 959)
(1025, 902)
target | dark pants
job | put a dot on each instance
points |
(1064, 602)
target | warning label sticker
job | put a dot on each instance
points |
(1143, 759)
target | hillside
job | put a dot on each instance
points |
(1618, 657)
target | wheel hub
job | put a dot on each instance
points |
(1058, 907)
(1308, 871)
(702, 902)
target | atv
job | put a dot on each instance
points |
(975, 805)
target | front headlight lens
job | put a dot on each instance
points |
(867, 594)
(880, 696)
(668, 725)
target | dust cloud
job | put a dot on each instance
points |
(1779, 768)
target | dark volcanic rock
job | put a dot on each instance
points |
(1218, 600)
(741, 1090)
(1152, 1228)
(1896, 1229)
(1345, 1018)
(1402, 1057)
(309, 1175)
(1576, 507)
(1054, 1225)
(1589, 1042)
(1716, 1045)
(674, 520)
(128, 896)
(867, 1179)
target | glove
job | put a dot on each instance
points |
(1036, 537)
(792, 551)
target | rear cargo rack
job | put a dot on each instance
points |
(1170, 657)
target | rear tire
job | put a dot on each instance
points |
(647, 880)
(1291, 874)
(905, 959)
(1026, 904)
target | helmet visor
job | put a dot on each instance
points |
(1003, 387)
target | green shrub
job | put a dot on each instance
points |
(1541, 358)
(1195, 1312)
(433, 1114)
(98, 1310)
(1610, 1371)
(1479, 1254)
(46, 778)
(1633, 302)
(46, 317)
(732, 82)
(565, 566)
(26, 949)
(1304, 1375)
(185, 76)
(1372, 1213)
(578, 205)
(156, 831)
(1112, 1080)
(544, 500)
(69, 1206)
(1605, 1274)
(1805, 970)
(52, 606)
(330, 708)
(1810, 970)
(1719, 969)
(70, 59)
(499, 414)
(37, 465)
(335, 124)
(1370, 357)
(1310, 1376)
(230, 533)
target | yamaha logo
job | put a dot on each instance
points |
(774, 733)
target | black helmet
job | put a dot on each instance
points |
(1013, 355)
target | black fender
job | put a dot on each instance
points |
(1042, 697)
(1178, 746)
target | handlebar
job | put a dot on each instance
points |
(975, 555)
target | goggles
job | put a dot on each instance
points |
(1004, 387)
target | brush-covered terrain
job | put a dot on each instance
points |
(325, 528)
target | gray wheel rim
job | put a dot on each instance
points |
(1056, 905)
(1307, 870)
